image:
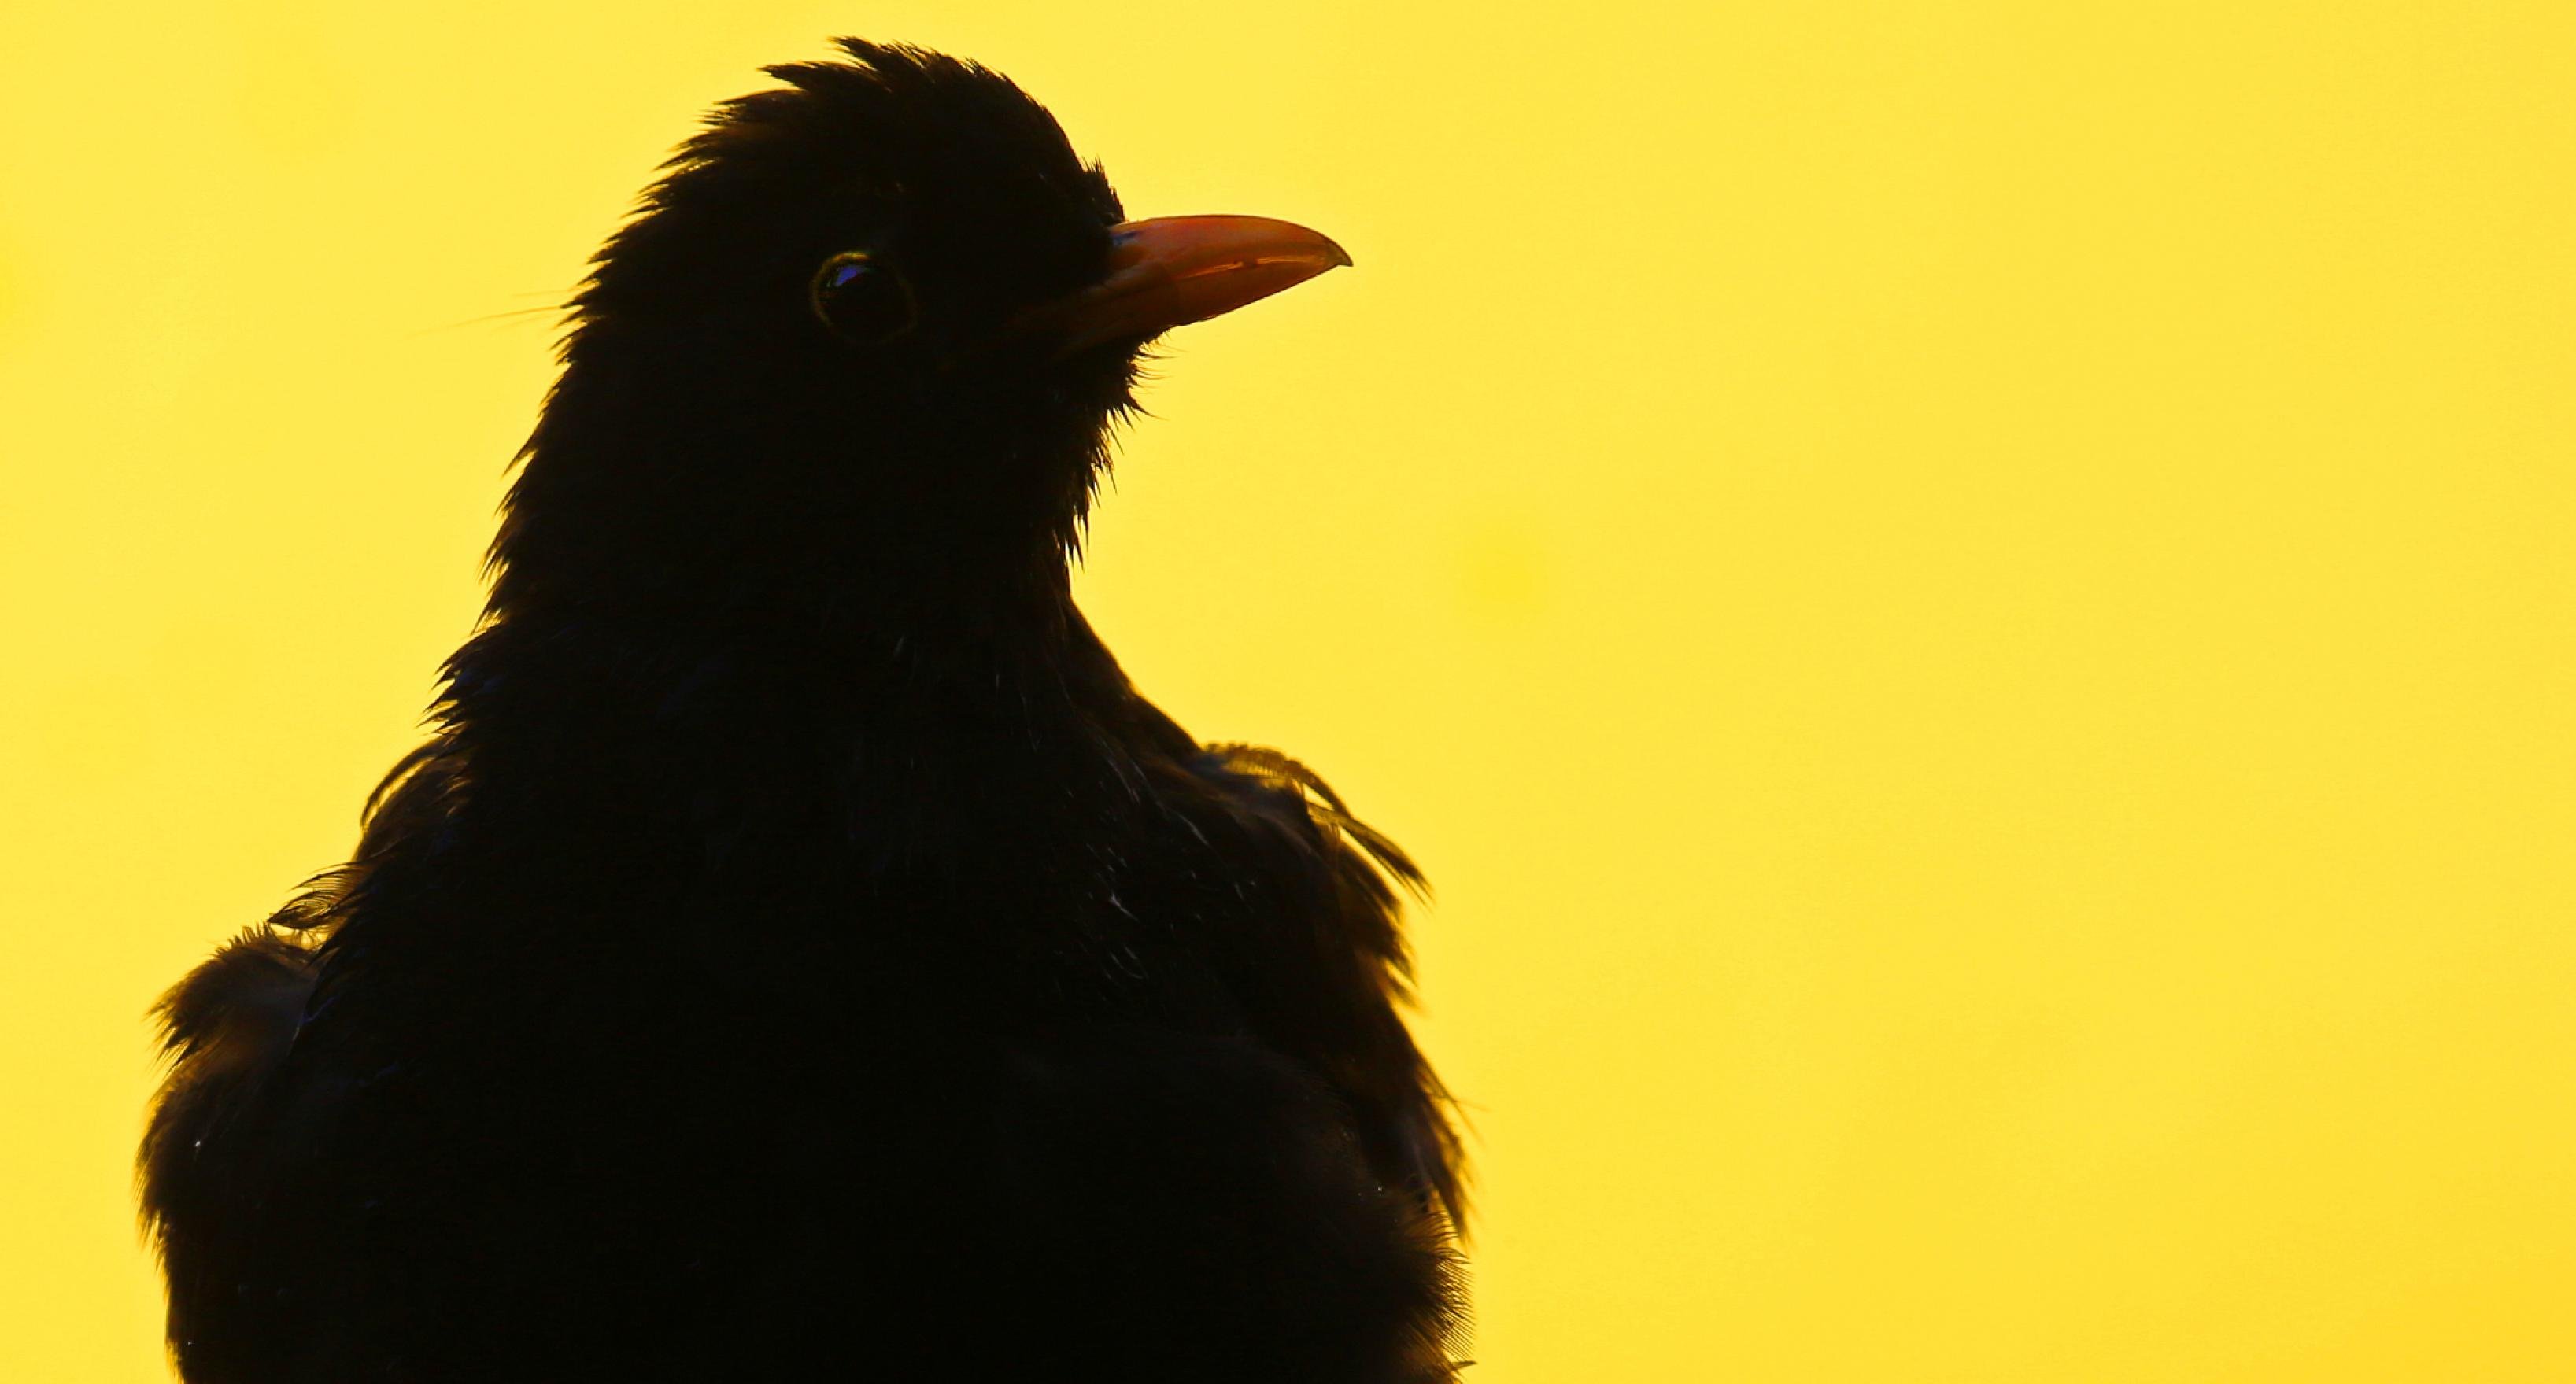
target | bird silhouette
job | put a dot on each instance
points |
(797, 951)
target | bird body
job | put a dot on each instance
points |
(798, 946)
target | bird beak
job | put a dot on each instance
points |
(1178, 269)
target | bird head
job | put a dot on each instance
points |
(872, 325)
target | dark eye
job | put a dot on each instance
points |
(861, 299)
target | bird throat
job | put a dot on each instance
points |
(898, 722)
(718, 651)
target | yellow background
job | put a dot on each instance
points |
(1968, 603)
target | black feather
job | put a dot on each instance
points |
(798, 951)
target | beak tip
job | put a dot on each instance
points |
(1335, 255)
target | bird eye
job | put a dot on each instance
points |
(862, 300)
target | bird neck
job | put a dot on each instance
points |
(679, 659)
(760, 643)
(890, 718)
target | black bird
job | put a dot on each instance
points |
(798, 952)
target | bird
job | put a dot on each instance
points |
(796, 949)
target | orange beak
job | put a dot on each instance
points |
(1178, 269)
